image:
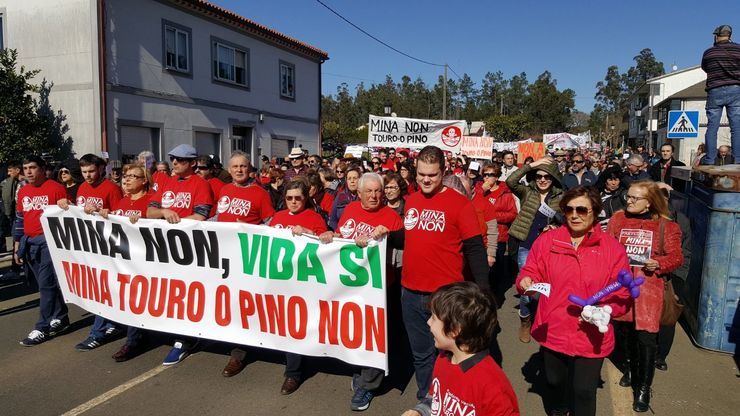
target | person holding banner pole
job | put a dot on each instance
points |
(30, 249)
(94, 194)
(184, 195)
(442, 234)
(300, 221)
(136, 182)
(365, 220)
(239, 193)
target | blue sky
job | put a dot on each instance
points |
(576, 40)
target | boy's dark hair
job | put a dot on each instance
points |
(464, 308)
(38, 160)
(432, 155)
(92, 160)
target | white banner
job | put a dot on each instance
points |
(567, 140)
(233, 282)
(510, 146)
(415, 133)
(477, 147)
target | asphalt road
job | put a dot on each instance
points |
(54, 379)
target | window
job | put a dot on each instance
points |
(287, 80)
(177, 47)
(230, 63)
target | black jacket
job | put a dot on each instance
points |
(656, 169)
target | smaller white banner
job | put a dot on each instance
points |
(415, 133)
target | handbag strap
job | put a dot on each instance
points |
(661, 237)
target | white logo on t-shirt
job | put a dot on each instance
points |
(428, 220)
(179, 200)
(451, 405)
(37, 203)
(411, 218)
(235, 206)
(92, 201)
(348, 228)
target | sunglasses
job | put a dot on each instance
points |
(375, 162)
(180, 159)
(577, 161)
(339, 171)
(297, 198)
(581, 211)
(64, 171)
(490, 175)
(201, 168)
(543, 177)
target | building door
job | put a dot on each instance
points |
(241, 139)
(135, 139)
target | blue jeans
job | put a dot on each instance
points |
(416, 313)
(717, 99)
(100, 326)
(521, 259)
(51, 301)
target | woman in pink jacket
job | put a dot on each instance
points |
(576, 258)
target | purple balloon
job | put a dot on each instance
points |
(625, 279)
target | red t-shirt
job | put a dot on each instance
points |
(307, 219)
(216, 185)
(390, 164)
(477, 385)
(435, 229)
(159, 178)
(249, 204)
(182, 195)
(127, 207)
(106, 195)
(326, 202)
(356, 221)
(31, 203)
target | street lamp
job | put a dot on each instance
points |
(387, 109)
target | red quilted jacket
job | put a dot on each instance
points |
(504, 207)
(648, 306)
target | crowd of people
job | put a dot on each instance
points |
(460, 233)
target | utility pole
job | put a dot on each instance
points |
(444, 97)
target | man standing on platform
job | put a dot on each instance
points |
(721, 62)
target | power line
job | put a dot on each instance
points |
(380, 41)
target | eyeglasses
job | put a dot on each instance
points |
(539, 177)
(64, 171)
(132, 177)
(180, 159)
(339, 171)
(392, 188)
(581, 211)
(296, 198)
(376, 162)
(490, 175)
(635, 198)
(577, 161)
(201, 168)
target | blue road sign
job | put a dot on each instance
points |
(683, 124)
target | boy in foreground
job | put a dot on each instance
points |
(465, 376)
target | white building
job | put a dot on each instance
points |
(678, 90)
(166, 72)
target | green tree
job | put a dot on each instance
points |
(507, 128)
(646, 67)
(28, 125)
(549, 108)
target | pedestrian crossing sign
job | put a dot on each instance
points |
(683, 124)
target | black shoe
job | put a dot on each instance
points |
(58, 326)
(642, 399)
(626, 379)
(35, 337)
(661, 365)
